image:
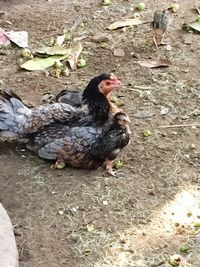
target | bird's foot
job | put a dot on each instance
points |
(162, 43)
(159, 42)
(109, 168)
(59, 165)
(155, 42)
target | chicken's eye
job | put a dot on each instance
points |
(107, 83)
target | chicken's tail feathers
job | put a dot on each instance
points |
(12, 113)
(8, 94)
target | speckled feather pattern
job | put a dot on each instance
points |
(73, 98)
(20, 120)
(161, 21)
(60, 132)
(80, 147)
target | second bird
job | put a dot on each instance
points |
(160, 24)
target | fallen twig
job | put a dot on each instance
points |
(179, 125)
(142, 87)
(139, 88)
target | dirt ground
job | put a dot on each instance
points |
(86, 218)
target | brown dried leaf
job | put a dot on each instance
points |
(73, 57)
(197, 9)
(79, 38)
(143, 114)
(125, 23)
(154, 63)
(101, 37)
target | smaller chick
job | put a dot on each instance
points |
(121, 122)
(160, 24)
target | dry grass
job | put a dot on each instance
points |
(126, 232)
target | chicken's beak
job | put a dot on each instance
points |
(117, 82)
(128, 120)
(106, 86)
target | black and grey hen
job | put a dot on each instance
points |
(78, 99)
(16, 119)
(82, 146)
(60, 132)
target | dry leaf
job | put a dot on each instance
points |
(19, 38)
(60, 40)
(197, 9)
(125, 23)
(73, 57)
(54, 50)
(143, 114)
(79, 38)
(154, 63)
(101, 37)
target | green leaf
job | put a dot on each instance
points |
(195, 26)
(147, 133)
(106, 2)
(141, 6)
(184, 248)
(197, 224)
(42, 63)
(118, 164)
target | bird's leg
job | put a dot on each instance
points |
(59, 165)
(155, 41)
(159, 39)
(162, 42)
(162, 39)
(109, 168)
